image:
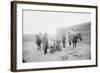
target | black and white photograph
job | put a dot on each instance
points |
(56, 36)
(53, 36)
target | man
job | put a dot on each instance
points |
(64, 41)
(45, 43)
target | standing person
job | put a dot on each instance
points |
(64, 41)
(59, 44)
(45, 43)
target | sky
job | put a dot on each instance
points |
(47, 21)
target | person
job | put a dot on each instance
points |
(64, 41)
(59, 44)
(45, 43)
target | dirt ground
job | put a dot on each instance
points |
(31, 54)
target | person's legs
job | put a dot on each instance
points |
(64, 44)
(69, 42)
(45, 50)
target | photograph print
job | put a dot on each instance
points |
(56, 36)
(53, 36)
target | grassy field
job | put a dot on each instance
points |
(82, 52)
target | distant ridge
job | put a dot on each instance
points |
(78, 27)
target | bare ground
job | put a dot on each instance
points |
(31, 54)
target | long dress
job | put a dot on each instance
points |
(59, 45)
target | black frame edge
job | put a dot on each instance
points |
(55, 68)
(13, 36)
(96, 36)
(55, 4)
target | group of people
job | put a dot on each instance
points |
(44, 43)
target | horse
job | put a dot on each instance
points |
(51, 45)
(73, 38)
(48, 44)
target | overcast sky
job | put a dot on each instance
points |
(40, 21)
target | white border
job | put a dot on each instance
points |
(21, 65)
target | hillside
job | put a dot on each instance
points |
(83, 28)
